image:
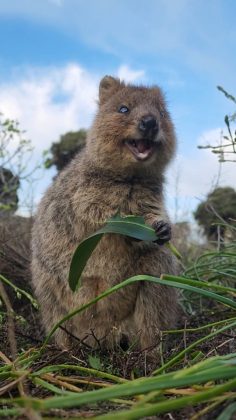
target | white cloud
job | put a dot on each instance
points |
(128, 75)
(50, 101)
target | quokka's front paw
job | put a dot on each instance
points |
(163, 231)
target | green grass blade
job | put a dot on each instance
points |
(19, 291)
(170, 405)
(216, 368)
(52, 388)
(131, 226)
(10, 412)
(228, 412)
(80, 258)
(199, 283)
(180, 355)
(85, 370)
(139, 386)
(172, 283)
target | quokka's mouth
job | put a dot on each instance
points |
(141, 149)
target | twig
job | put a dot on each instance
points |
(29, 412)
(10, 323)
(5, 358)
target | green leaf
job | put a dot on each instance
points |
(228, 95)
(131, 226)
(174, 250)
(94, 362)
(80, 258)
(227, 413)
(227, 120)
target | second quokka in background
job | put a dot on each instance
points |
(121, 170)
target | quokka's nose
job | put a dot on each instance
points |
(148, 123)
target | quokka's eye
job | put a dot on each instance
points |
(123, 109)
(162, 113)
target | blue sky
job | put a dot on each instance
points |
(54, 52)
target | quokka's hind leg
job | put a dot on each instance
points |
(55, 301)
(94, 326)
(156, 309)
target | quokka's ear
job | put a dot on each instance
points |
(107, 87)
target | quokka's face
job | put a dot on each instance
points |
(133, 126)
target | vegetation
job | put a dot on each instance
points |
(15, 168)
(9, 185)
(219, 206)
(226, 149)
(65, 149)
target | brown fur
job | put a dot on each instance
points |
(102, 180)
(15, 252)
(15, 257)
